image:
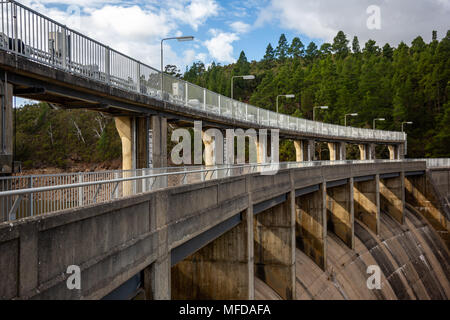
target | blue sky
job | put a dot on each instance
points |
(223, 28)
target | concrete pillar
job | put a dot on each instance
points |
(338, 151)
(393, 155)
(340, 214)
(157, 276)
(208, 141)
(311, 227)
(142, 148)
(298, 151)
(367, 151)
(392, 197)
(158, 144)
(222, 270)
(304, 150)
(311, 150)
(366, 195)
(334, 155)
(274, 233)
(6, 128)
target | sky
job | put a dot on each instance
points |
(222, 29)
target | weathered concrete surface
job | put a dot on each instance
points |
(275, 248)
(311, 226)
(218, 271)
(392, 197)
(421, 194)
(414, 264)
(114, 241)
(340, 212)
(366, 196)
(6, 128)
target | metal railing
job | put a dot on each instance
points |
(28, 33)
(436, 163)
(27, 196)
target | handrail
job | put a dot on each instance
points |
(28, 33)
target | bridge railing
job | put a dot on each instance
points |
(27, 196)
(28, 33)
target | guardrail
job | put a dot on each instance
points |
(30, 34)
(28, 196)
(436, 163)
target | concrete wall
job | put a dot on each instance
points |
(114, 241)
(6, 128)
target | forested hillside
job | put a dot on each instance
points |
(407, 83)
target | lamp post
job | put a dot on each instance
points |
(180, 39)
(314, 111)
(247, 77)
(287, 96)
(351, 115)
(378, 119)
(406, 122)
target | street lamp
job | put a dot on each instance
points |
(180, 39)
(351, 115)
(287, 96)
(378, 119)
(407, 122)
(314, 111)
(247, 77)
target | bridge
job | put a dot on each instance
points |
(213, 231)
(44, 60)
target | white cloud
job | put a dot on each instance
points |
(220, 46)
(240, 27)
(195, 13)
(134, 27)
(401, 20)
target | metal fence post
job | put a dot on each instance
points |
(31, 197)
(108, 64)
(204, 99)
(80, 191)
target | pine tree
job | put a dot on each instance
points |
(282, 49)
(355, 45)
(297, 48)
(340, 45)
(311, 52)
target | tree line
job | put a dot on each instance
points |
(403, 83)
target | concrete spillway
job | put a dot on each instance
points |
(414, 262)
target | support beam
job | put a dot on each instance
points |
(311, 227)
(6, 128)
(396, 152)
(367, 151)
(366, 195)
(304, 150)
(340, 213)
(274, 231)
(338, 151)
(222, 270)
(421, 194)
(392, 197)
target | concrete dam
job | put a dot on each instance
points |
(306, 232)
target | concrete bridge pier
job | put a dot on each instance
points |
(6, 128)
(144, 142)
(311, 224)
(367, 151)
(396, 152)
(304, 150)
(340, 211)
(366, 195)
(338, 151)
(274, 251)
(392, 195)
